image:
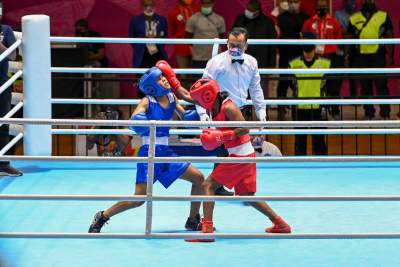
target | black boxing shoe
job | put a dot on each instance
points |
(221, 191)
(193, 224)
(98, 221)
(8, 170)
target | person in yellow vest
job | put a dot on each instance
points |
(309, 88)
(371, 23)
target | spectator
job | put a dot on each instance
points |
(309, 88)
(259, 26)
(148, 25)
(97, 55)
(264, 148)
(177, 19)
(279, 9)
(324, 26)
(97, 58)
(366, 24)
(204, 25)
(7, 38)
(343, 16)
(290, 23)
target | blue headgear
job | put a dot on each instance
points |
(148, 83)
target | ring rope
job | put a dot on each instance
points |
(11, 143)
(60, 39)
(10, 81)
(286, 159)
(11, 49)
(198, 236)
(247, 124)
(278, 102)
(252, 132)
(200, 71)
(198, 198)
(14, 110)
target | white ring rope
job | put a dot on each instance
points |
(252, 132)
(10, 81)
(11, 49)
(197, 198)
(278, 102)
(61, 39)
(261, 71)
(286, 159)
(246, 124)
(199, 236)
(14, 110)
(11, 143)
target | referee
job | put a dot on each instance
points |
(237, 73)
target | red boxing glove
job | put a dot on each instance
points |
(211, 139)
(169, 74)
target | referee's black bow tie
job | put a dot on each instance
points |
(240, 61)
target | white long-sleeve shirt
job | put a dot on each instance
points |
(238, 79)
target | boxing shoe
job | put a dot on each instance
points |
(279, 227)
(207, 227)
(98, 221)
(193, 224)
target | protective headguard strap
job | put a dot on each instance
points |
(205, 92)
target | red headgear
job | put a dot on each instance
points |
(205, 92)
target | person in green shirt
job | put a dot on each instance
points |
(309, 88)
(371, 23)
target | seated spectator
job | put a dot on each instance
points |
(109, 144)
(205, 24)
(264, 148)
(97, 55)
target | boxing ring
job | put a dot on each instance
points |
(344, 211)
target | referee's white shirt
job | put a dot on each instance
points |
(237, 79)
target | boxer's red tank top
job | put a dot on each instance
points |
(238, 141)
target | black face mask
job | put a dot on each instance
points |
(308, 48)
(368, 7)
(79, 33)
(322, 11)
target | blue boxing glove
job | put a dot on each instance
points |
(139, 129)
(191, 115)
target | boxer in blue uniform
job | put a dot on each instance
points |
(159, 104)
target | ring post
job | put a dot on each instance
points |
(37, 83)
(150, 179)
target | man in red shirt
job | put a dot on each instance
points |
(327, 27)
(177, 19)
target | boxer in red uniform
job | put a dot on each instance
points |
(240, 176)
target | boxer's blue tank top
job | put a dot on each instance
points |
(156, 112)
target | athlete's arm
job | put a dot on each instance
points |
(233, 113)
(184, 94)
(142, 106)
